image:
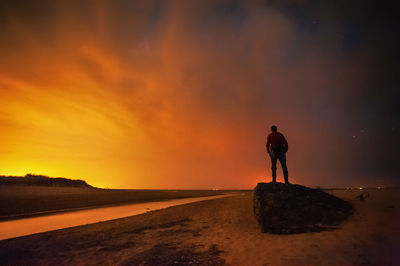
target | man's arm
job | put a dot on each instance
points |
(268, 143)
(285, 144)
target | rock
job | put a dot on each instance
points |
(290, 209)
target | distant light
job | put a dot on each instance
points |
(215, 188)
(354, 137)
(379, 187)
(361, 188)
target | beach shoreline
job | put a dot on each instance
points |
(19, 202)
(71, 218)
(218, 231)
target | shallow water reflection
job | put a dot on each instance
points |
(28, 226)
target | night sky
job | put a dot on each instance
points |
(182, 94)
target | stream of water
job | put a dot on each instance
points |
(28, 226)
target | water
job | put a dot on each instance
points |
(28, 226)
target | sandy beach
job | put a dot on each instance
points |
(219, 231)
(28, 201)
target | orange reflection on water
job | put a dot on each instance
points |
(28, 226)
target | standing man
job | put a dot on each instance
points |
(277, 148)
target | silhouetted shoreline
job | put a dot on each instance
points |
(42, 180)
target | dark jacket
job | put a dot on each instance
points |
(277, 142)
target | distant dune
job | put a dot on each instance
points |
(41, 180)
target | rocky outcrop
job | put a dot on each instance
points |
(289, 209)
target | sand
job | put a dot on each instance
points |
(27, 201)
(220, 231)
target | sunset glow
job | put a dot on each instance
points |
(141, 96)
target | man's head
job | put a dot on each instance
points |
(274, 128)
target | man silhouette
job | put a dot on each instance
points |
(277, 148)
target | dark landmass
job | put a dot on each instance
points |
(41, 180)
(289, 209)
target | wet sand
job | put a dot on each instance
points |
(219, 231)
(26, 201)
(43, 223)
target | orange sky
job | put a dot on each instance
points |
(71, 107)
(131, 98)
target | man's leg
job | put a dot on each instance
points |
(273, 165)
(282, 160)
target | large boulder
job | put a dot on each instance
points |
(290, 209)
